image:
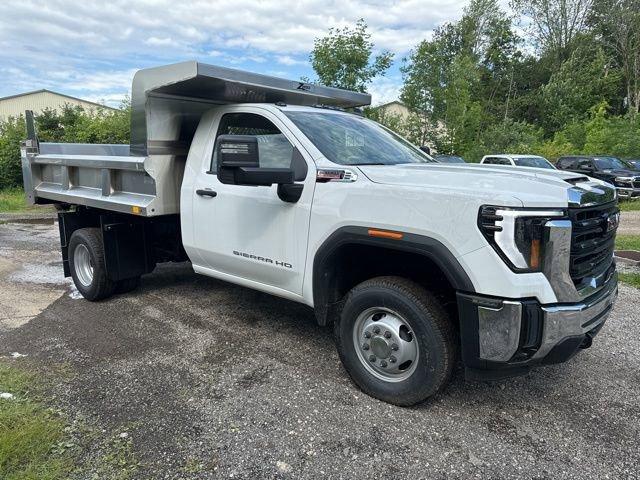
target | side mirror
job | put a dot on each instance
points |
(239, 163)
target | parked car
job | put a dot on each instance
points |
(534, 161)
(634, 162)
(245, 176)
(448, 159)
(610, 169)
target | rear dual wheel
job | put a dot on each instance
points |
(87, 265)
(396, 340)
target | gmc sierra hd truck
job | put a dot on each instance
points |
(283, 187)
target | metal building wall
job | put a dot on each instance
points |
(38, 101)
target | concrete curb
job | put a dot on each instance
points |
(28, 217)
(627, 257)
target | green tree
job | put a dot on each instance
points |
(463, 77)
(580, 83)
(554, 24)
(343, 58)
(617, 22)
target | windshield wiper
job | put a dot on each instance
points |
(371, 163)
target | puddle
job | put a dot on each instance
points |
(43, 274)
(74, 293)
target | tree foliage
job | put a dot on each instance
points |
(481, 89)
(343, 58)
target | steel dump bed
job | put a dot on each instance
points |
(167, 104)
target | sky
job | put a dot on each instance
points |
(91, 49)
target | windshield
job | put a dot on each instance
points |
(610, 163)
(536, 162)
(353, 140)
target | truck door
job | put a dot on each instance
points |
(254, 236)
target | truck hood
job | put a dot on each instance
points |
(529, 186)
(622, 173)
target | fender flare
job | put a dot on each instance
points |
(429, 247)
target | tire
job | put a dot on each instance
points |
(127, 285)
(420, 335)
(85, 246)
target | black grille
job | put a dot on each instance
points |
(636, 184)
(592, 242)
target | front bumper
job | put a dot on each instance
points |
(504, 337)
(628, 192)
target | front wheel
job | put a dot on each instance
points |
(395, 340)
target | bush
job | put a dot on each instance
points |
(12, 132)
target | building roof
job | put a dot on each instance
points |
(398, 102)
(44, 90)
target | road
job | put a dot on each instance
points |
(209, 380)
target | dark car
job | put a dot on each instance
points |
(634, 162)
(607, 168)
(448, 159)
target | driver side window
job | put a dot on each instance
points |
(585, 165)
(274, 149)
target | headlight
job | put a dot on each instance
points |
(517, 235)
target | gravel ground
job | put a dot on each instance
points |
(190, 377)
(629, 223)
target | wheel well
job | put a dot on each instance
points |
(132, 245)
(351, 264)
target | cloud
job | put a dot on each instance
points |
(289, 60)
(159, 42)
(90, 47)
(385, 89)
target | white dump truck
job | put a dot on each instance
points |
(283, 187)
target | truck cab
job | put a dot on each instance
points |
(414, 264)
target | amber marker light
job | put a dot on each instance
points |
(535, 253)
(385, 234)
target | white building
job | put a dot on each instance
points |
(39, 100)
(395, 108)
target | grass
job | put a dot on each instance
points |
(12, 200)
(32, 437)
(632, 279)
(119, 461)
(628, 242)
(629, 205)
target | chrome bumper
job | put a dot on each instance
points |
(499, 333)
(627, 192)
(562, 321)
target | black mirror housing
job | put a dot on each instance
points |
(264, 177)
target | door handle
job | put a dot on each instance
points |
(206, 193)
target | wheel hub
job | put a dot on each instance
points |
(380, 348)
(385, 344)
(83, 265)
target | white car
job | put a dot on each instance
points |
(413, 263)
(534, 161)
